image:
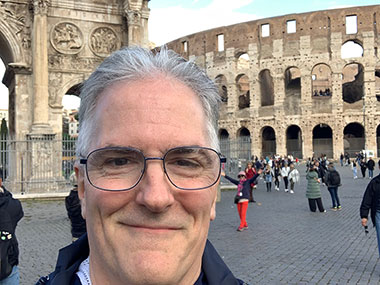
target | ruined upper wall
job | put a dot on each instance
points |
(317, 25)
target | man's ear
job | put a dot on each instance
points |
(80, 179)
(213, 206)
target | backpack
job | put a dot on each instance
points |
(6, 247)
(334, 178)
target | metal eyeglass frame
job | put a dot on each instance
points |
(222, 159)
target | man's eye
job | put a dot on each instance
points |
(117, 161)
(186, 163)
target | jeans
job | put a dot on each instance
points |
(13, 279)
(286, 182)
(355, 172)
(334, 196)
(377, 223)
(269, 186)
(370, 173)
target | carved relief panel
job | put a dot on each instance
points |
(103, 41)
(66, 38)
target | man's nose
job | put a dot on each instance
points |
(155, 191)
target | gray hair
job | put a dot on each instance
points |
(136, 63)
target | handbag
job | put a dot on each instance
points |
(236, 199)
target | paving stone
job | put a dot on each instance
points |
(285, 242)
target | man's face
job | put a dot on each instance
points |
(153, 233)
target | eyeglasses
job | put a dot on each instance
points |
(122, 168)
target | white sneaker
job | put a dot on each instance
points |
(278, 189)
(291, 192)
(286, 190)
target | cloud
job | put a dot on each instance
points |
(167, 24)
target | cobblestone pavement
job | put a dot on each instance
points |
(285, 242)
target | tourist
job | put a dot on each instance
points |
(242, 195)
(268, 177)
(74, 210)
(313, 192)
(148, 171)
(284, 174)
(371, 167)
(10, 214)
(333, 182)
(363, 167)
(293, 176)
(249, 173)
(277, 176)
(354, 169)
(371, 205)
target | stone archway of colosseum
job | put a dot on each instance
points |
(318, 39)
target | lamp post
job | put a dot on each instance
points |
(365, 139)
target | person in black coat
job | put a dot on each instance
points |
(74, 211)
(371, 204)
(10, 214)
(363, 167)
(371, 167)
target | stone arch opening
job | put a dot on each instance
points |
(70, 128)
(242, 83)
(292, 90)
(268, 141)
(353, 82)
(294, 141)
(243, 61)
(377, 84)
(321, 77)
(323, 140)
(70, 119)
(244, 144)
(224, 141)
(8, 79)
(352, 48)
(221, 82)
(266, 88)
(353, 138)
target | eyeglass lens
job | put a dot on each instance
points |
(122, 168)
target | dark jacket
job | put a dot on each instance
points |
(73, 207)
(246, 185)
(214, 270)
(328, 181)
(370, 198)
(10, 214)
(370, 164)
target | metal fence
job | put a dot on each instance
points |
(323, 146)
(237, 152)
(37, 164)
(353, 145)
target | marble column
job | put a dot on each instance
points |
(40, 123)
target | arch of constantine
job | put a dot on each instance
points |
(302, 84)
(49, 47)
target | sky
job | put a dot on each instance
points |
(172, 19)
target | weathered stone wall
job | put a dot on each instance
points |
(314, 52)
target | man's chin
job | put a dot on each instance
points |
(155, 267)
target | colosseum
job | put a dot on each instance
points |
(302, 84)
